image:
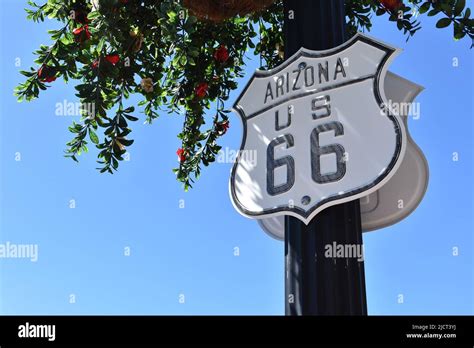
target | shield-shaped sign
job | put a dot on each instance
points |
(321, 129)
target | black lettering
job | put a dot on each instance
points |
(310, 78)
(269, 92)
(295, 88)
(339, 69)
(321, 107)
(317, 151)
(279, 85)
(273, 164)
(323, 72)
(279, 127)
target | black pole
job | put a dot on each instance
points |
(315, 284)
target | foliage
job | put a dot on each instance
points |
(177, 64)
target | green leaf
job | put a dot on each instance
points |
(433, 12)
(460, 4)
(100, 45)
(93, 15)
(424, 8)
(130, 117)
(467, 13)
(459, 35)
(443, 23)
(94, 138)
(126, 142)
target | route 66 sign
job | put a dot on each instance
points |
(322, 131)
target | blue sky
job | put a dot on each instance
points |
(190, 251)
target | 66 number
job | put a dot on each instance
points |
(321, 108)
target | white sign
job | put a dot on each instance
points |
(322, 129)
(401, 195)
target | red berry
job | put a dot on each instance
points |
(112, 58)
(223, 127)
(82, 34)
(181, 155)
(391, 4)
(46, 74)
(201, 90)
(221, 54)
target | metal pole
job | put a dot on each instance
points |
(315, 284)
